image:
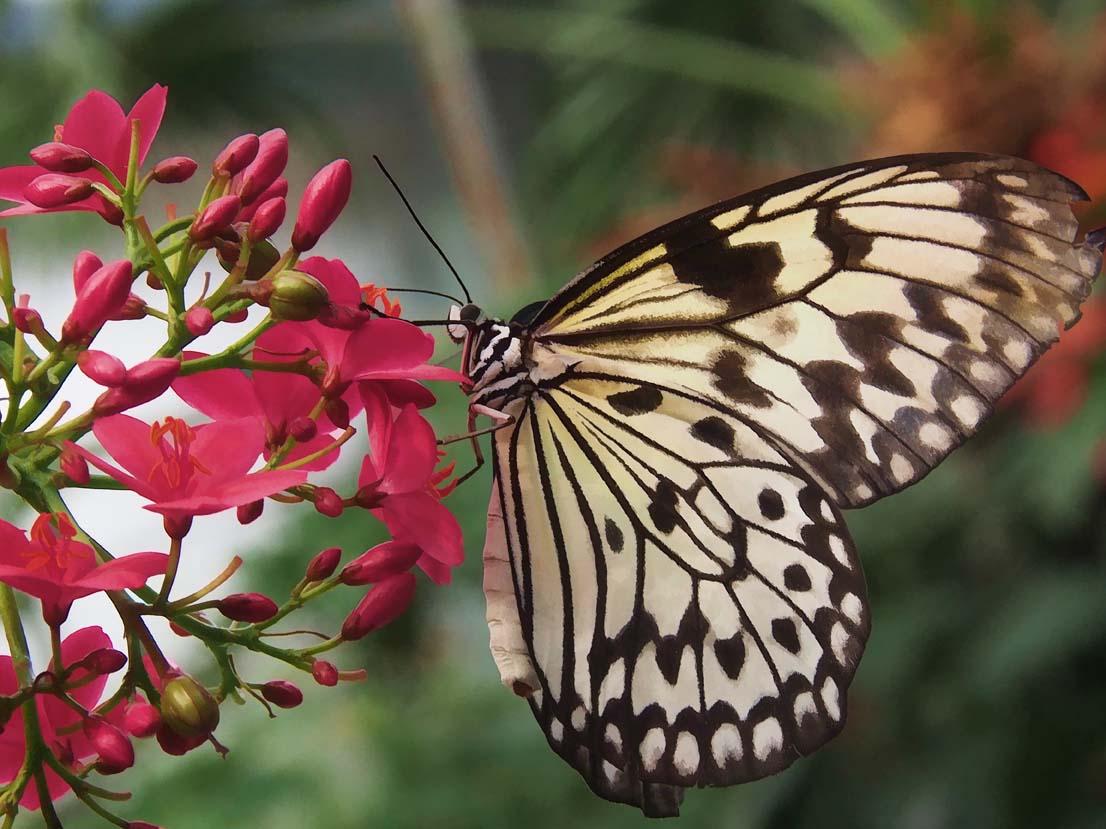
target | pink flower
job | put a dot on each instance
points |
(100, 297)
(275, 401)
(383, 604)
(174, 170)
(398, 480)
(57, 569)
(266, 167)
(96, 124)
(236, 155)
(185, 470)
(61, 725)
(85, 265)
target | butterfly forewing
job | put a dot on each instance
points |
(703, 401)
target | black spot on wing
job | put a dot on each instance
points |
(743, 276)
(731, 379)
(662, 508)
(641, 400)
(714, 431)
(771, 504)
(796, 578)
(786, 633)
(613, 534)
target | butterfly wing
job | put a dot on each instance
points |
(708, 397)
(865, 317)
(691, 600)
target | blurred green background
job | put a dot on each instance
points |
(533, 137)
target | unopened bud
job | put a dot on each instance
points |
(381, 561)
(381, 605)
(109, 211)
(241, 315)
(101, 296)
(214, 218)
(323, 565)
(236, 155)
(142, 720)
(61, 158)
(187, 708)
(199, 320)
(25, 319)
(337, 412)
(85, 264)
(102, 368)
(297, 296)
(368, 496)
(104, 661)
(115, 751)
(324, 672)
(263, 171)
(328, 502)
(303, 429)
(56, 190)
(174, 170)
(266, 219)
(145, 382)
(248, 607)
(282, 694)
(75, 467)
(323, 200)
(177, 744)
(248, 513)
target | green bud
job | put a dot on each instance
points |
(297, 296)
(187, 707)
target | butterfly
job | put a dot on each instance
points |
(670, 583)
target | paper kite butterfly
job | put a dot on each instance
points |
(669, 579)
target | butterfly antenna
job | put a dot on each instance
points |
(424, 291)
(422, 227)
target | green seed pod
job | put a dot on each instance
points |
(297, 296)
(188, 708)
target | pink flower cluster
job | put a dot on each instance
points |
(331, 370)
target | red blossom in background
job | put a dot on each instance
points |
(61, 725)
(57, 569)
(1054, 389)
(399, 482)
(98, 125)
(185, 470)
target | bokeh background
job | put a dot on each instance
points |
(533, 137)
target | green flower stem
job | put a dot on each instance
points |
(322, 647)
(159, 266)
(278, 455)
(55, 649)
(7, 285)
(306, 459)
(107, 173)
(237, 273)
(47, 362)
(297, 367)
(173, 226)
(214, 584)
(170, 573)
(32, 729)
(299, 600)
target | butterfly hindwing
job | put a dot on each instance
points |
(691, 600)
(866, 317)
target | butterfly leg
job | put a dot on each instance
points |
(473, 434)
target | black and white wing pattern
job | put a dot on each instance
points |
(690, 608)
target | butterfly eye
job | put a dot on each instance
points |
(469, 314)
(456, 332)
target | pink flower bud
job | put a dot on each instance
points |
(85, 264)
(248, 513)
(324, 672)
(328, 502)
(368, 496)
(277, 190)
(102, 295)
(109, 212)
(142, 720)
(266, 219)
(75, 467)
(217, 216)
(199, 320)
(323, 564)
(303, 429)
(102, 368)
(236, 155)
(248, 607)
(105, 661)
(237, 316)
(145, 382)
(282, 694)
(115, 750)
(381, 561)
(133, 309)
(272, 156)
(56, 190)
(177, 744)
(174, 170)
(381, 605)
(337, 412)
(25, 319)
(61, 158)
(323, 200)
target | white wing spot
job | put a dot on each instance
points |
(1011, 180)
(837, 547)
(827, 511)
(767, 737)
(556, 730)
(804, 705)
(614, 736)
(935, 436)
(968, 410)
(686, 755)
(1018, 353)
(901, 468)
(831, 699)
(578, 718)
(839, 640)
(725, 743)
(652, 748)
(862, 492)
(852, 607)
(611, 771)
(731, 218)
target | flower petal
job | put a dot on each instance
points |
(378, 417)
(96, 123)
(227, 448)
(125, 572)
(284, 397)
(341, 284)
(13, 541)
(317, 443)
(221, 394)
(148, 111)
(386, 348)
(14, 179)
(412, 453)
(75, 647)
(231, 493)
(38, 583)
(127, 440)
(421, 518)
(139, 485)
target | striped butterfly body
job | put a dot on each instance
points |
(669, 579)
